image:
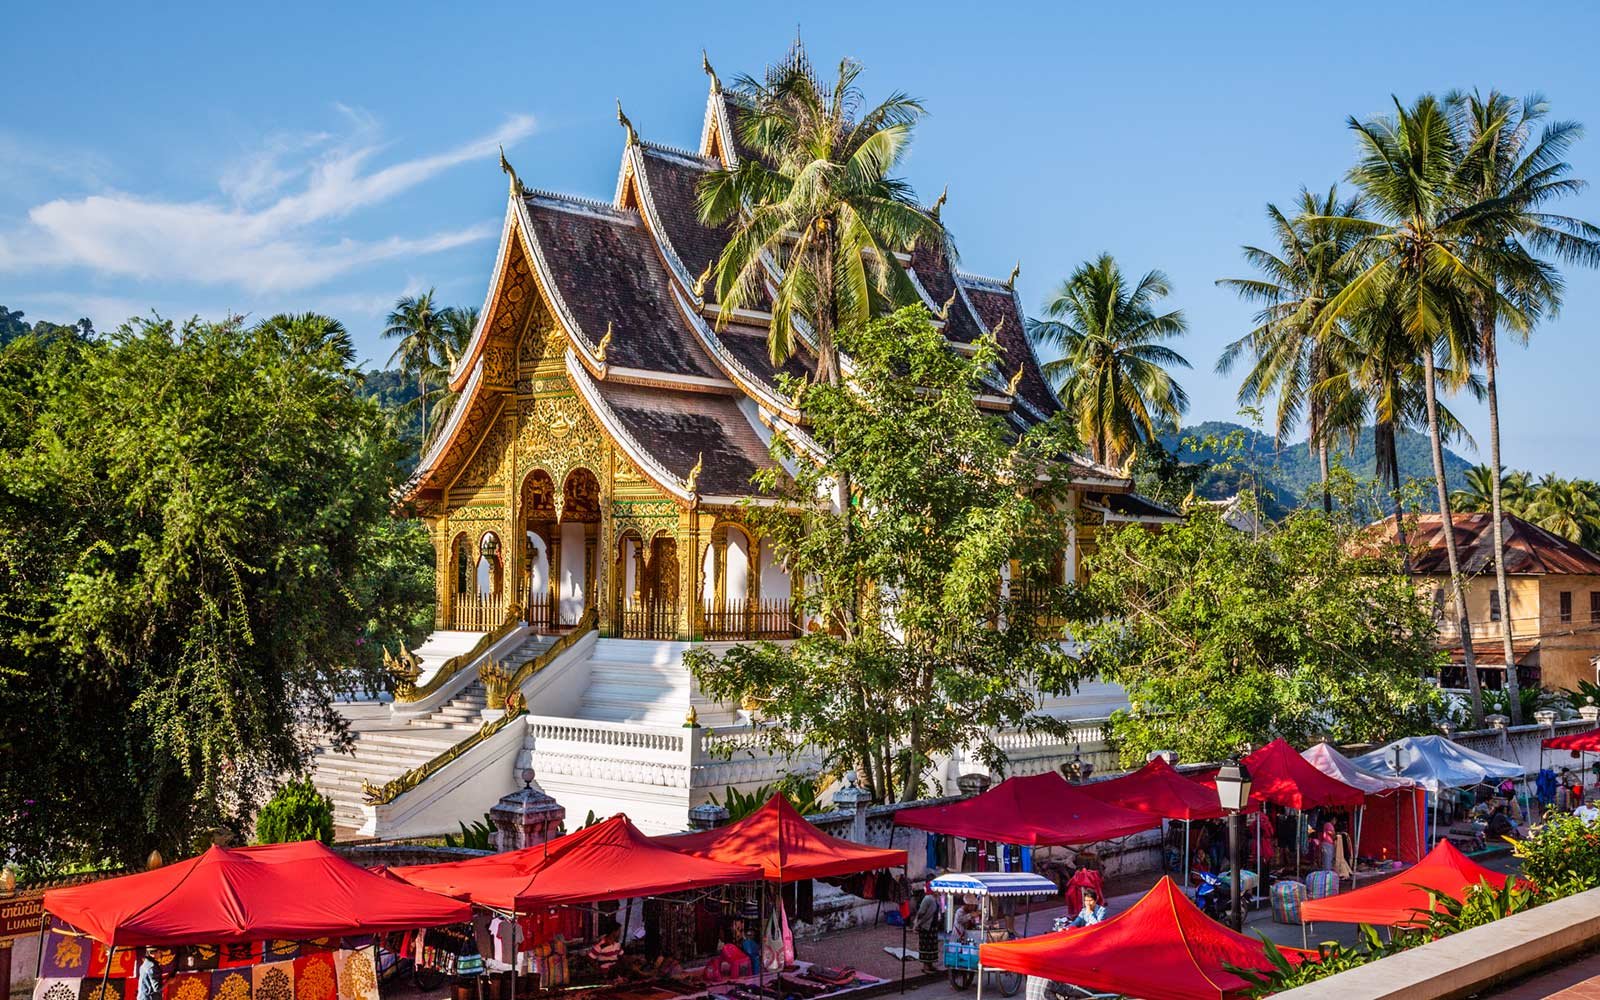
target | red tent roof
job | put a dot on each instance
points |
(298, 890)
(610, 860)
(1037, 810)
(1278, 774)
(787, 848)
(1160, 948)
(1158, 789)
(1399, 900)
(1589, 741)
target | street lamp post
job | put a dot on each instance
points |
(1233, 788)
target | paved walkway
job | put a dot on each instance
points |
(1576, 980)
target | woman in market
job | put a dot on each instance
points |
(926, 922)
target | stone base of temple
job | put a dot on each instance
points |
(611, 725)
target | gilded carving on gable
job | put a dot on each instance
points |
(558, 435)
(488, 465)
(499, 366)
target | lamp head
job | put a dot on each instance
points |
(1233, 786)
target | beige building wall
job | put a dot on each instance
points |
(1566, 646)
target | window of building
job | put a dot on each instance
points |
(1494, 605)
(1566, 606)
(1438, 604)
(1594, 605)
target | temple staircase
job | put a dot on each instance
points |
(383, 754)
(643, 683)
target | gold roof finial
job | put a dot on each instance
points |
(700, 282)
(1016, 380)
(705, 64)
(1011, 282)
(605, 342)
(944, 314)
(505, 165)
(622, 119)
(998, 327)
(939, 203)
(692, 483)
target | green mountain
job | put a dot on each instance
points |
(1287, 474)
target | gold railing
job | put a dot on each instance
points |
(377, 795)
(770, 619)
(514, 704)
(477, 612)
(649, 620)
(587, 623)
(406, 690)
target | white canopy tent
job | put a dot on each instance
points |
(1331, 762)
(1437, 763)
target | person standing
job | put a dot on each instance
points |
(926, 922)
(149, 975)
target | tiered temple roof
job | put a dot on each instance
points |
(692, 407)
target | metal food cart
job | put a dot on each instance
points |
(961, 957)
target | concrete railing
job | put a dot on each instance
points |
(1472, 961)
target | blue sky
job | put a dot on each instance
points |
(221, 158)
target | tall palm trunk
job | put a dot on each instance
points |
(422, 405)
(1458, 591)
(1490, 366)
(1322, 468)
(1386, 455)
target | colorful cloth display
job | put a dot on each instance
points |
(75, 968)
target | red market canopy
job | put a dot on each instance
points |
(1402, 899)
(787, 848)
(1043, 809)
(1278, 774)
(294, 891)
(610, 860)
(1160, 948)
(1158, 789)
(1585, 741)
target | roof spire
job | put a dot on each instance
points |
(1016, 380)
(705, 64)
(517, 189)
(1011, 282)
(605, 342)
(622, 119)
(700, 282)
(690, 484)
(944, 314)
(937, 205)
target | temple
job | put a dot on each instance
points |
(586, 494)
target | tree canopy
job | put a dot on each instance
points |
(1223, 637)
(196, 558)
(904, 583)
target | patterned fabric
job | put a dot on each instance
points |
(230, 984)
(272, 981)
(314, 977)
(95, 988)
(66, 956)
(57, 988)
(121, 962)
(358, 979)
(1286, 899)
(1321, 884)
(187, 986)
(239, 956)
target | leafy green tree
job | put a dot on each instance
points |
(819, 199)
(1293, 359)
(296, 811)
(194, 522)
(906, 592)
(420, 326)
(1567, 507)
(1223, 637)
(1113, 377)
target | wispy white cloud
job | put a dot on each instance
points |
(271, 232)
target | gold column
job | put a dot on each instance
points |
(752, 586)
(553, 554)
(444, 572)
(590, 538)
(719, 569)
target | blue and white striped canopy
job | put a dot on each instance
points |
(993, 884)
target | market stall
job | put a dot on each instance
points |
(553, 898)
(994, 895)
(788, 849)
(1438, 765)
(1579, 745)
(1403, 899)
(1394, 813)
(1035, 811)
(1160, 948)
(1160, 790)
(275, 921)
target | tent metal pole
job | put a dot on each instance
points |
(1299, 840)
(1187, 826)
(106, 975)
(905, 922)
(516, 948)
(38, 964)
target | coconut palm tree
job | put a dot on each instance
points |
(1416, 259)
(458, 323)
(1524, 170)
(419, 324)
(1566, 507)
(1113, 374)
(815, 211)
(1309, 265)
(313, 333)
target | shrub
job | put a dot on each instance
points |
(296, 811)
(1562, 857)
(478, 837)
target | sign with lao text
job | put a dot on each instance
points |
(20, 914)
